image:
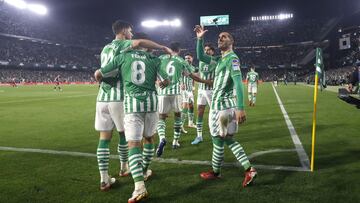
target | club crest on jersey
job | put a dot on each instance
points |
(235, 64)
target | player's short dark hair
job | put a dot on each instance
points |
(175, 46)
(189, 54)
(119, 26)
(211, 47)
(141, 35)
(231, 37)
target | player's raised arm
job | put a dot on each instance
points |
(148, 44)
(200, 32)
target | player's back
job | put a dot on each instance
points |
(111, 88)
(174, 67)
(139, 71)
(252, 77)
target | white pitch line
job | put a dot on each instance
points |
(304, 159)
(46, 99)
(159, 160)
(256, 154)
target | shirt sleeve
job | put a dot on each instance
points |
(126, 45)
(112, 68)
(200, 52)
(239, 92)
(162, 75)
(234, 65)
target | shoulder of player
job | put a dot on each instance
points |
(179, 59)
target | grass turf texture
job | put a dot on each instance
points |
(38, 117)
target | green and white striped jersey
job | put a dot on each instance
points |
(207, 72)
(111, 88)
(252, 77)
(139, 71)
(187, 81)
(228, 66)
(174, 66)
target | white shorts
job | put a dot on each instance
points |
(252, 88)
(139, 125)
(222, 123)
(109, 115)
(169, 103)
(187, 97)
(204, 97)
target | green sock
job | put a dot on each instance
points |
(238, 151)
(161, 126)
(199, 126)
(177, 128)
(184, 115)
(191, 115)
(147, 155)
(123, 150)
(103, 155)
(135, 164)
(218, 154)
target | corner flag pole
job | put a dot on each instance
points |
(314, 123)
(319, 64)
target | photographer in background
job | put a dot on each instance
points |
(354, 80)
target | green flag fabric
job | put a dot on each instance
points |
(320, 68)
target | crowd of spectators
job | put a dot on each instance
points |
(275, 48)
(43, 76)
(22, 23)
(26, 51)
(338, 76)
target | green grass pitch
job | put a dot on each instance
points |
(37, 117)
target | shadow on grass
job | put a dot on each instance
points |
(332, 160)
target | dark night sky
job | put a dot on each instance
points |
(106, 11)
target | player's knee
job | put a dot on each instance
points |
(201, 110)
(133, 143)
(177, 114)
(162, 116)
(105, 135)
(149, 140)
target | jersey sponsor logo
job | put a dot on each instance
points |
(235, 64)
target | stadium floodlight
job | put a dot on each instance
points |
(37, 8)
(17, 3)
(176, 23)
(281, 16)
(156, 23)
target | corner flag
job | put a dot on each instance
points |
(319, 73)
(320, 68)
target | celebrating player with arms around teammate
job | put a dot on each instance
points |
(225, 114)
(109, 105)
(139, 71)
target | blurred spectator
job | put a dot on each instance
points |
(32, 76)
